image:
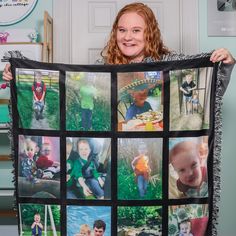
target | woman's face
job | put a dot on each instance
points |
(84, 150)
(130, 36)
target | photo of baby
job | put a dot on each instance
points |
(188, 167)
(188, 220)
(88, 221)
(39, 166)
(139, 168)
(39, 220)
(88, 101)
(189, 100)
(140, 101)
(38, 99)
(88, 168)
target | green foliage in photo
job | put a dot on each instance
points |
(25, 106)
(139, 216)
(127, 185)
(49, 233)
(51, 112)
(52, 109)
(181, 213)
(101, 114)
(29, 210)
(128, 150)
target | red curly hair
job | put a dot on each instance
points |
(154, 46)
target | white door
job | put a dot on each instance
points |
(82, 27)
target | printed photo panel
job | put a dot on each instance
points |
(88, 220)
(140, 101)
(88, 168)
(188, 175)
(37, 219)
(188, 220)
(190, 91)
(38, 99)
(139, 168)
(88, 101)
(139, 220)
(39, 166)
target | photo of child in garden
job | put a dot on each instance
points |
(139, 168)
(39, 91)
(37, 226)
(188, 220)
(188, 167)
(187, 88)
(88, 168)
(88, 221)
(190, 99)
(39, 220)
(140, 101)
(139, 220)
(39, 166)
(38, 99)
(88, 101)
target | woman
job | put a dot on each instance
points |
(136, 37)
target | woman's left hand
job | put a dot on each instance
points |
(222, 54)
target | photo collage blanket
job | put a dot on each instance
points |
(127, 150)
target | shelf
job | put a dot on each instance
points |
(8, 213)
(6, 192)
(4, 130)
(5, 158)
(20, 43)
(4, 101)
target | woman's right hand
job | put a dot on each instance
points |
(7, 75)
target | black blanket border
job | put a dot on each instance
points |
(214, 131)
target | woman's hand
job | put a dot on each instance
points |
(222, 54)
(7, 75)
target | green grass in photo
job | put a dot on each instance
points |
(25, 106)
(52, 109)
(139, 216)
(127, 185)
(101, 114)
(49, 233)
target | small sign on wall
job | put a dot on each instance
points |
(13, 11)
(221, 17)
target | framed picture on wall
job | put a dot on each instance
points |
(221, 17)
(12, 12)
